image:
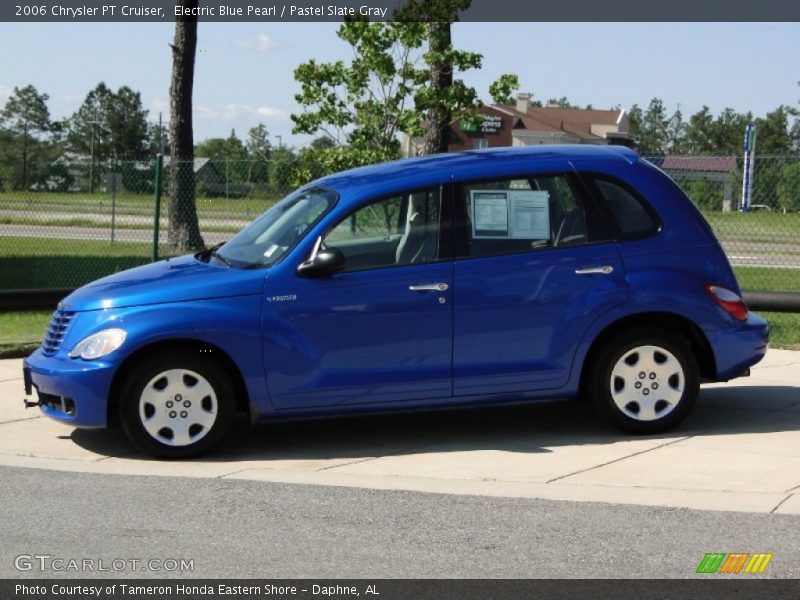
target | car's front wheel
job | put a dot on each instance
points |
(644, 381)
(176, 404)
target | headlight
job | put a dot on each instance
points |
(98, 344)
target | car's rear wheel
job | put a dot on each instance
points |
(176, 405)
(644, 381)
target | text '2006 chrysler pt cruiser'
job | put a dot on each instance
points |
(481, 277)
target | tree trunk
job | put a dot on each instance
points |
(184, 232)
(438, 118)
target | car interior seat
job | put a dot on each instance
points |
(418, 243)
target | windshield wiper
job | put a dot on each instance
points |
(213, 252)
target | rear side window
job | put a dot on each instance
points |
(523, 214)
(633, 218)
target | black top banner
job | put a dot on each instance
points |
(383, 10)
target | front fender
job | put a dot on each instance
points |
(231, 324)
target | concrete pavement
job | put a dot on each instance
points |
(738, 451)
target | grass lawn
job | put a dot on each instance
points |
(41, 203)
(784, 330)
(21, 333)
(31, 263)
(767, 279)
(755, 227)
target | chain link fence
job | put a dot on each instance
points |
(72, 221)
(77, 222)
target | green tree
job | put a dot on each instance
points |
(158, 140)
(700, 133)
(25, 120)
(502, 89)
(258, 153)
(635, 121)
(654, 130)
(284, 171)
(773, 132)
(110, 125)
(364, 105)
(220, 150)
(728, 132)
(258, 144)
(127, 122)
(443, 96)
(794, 136)
(676, 133)
(230, 158)
(322, 142)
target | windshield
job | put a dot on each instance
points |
(267, 239)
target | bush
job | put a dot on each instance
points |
(707, 195)
(789, 187)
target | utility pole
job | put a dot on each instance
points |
(94, 124)
(279, 141)
(160, 136)
(25, 155)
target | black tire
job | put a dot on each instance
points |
(222, 401)
(633, 417)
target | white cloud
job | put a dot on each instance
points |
(269, 111)
(235, 112)
(157, 105)
(260, 43)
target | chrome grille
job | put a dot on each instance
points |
(56, 331)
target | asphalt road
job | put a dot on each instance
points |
(257, 529)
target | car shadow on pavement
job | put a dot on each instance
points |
(527, 428)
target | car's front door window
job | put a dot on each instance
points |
(399, 230)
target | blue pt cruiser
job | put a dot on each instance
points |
(475, 278)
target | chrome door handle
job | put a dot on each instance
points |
(429, 287)
(604, 270)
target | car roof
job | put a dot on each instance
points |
(437, 168)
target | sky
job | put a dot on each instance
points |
(244, 71)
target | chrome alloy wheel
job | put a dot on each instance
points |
(647, 383)
(178, 407)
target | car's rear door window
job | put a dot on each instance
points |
(524, 214)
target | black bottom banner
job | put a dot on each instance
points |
(397, 589)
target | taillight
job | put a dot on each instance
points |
(730, 302)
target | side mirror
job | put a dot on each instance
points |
(323, 263)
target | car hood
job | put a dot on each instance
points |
(174, 280)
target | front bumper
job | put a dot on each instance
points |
(739, 348)
(72, 391)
